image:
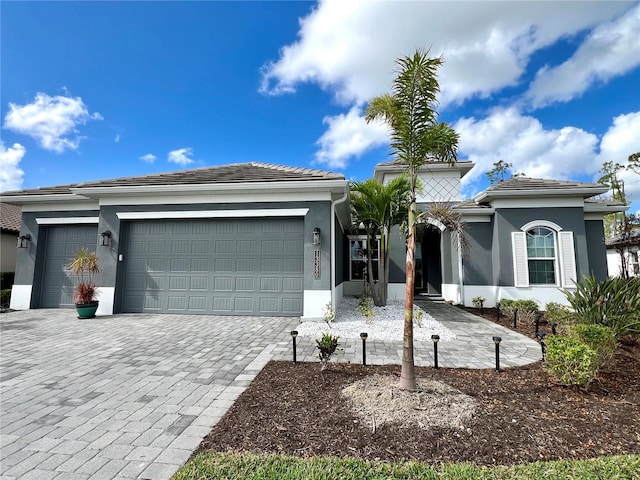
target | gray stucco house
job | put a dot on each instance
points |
(261, 239)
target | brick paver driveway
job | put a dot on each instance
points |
(123, 396)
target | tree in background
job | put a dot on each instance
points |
(620, 226)
(417, 138)
(377, 208)
(500, 172)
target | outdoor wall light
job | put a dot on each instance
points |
(497, 341)
(294, 334)
(435, 339)
(364, 336)
(316, 236)
(105, 238)
(23, 240)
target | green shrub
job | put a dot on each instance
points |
(5, 298)
(613, 302)
(327, 345)
(526, 309)
(506, 306)
(570, 360)
(559, 314)
(478, 302)
(365, 308)
(599, 338)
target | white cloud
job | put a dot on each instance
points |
(521, 140)
(51, 121)
(349, 47)
(611, 49)
(348, 135)
(149, 158)
(621, 140)
(11, 174)
(181, 156)
(349, 50)
(117, 138)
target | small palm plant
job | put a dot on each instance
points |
(84, 265)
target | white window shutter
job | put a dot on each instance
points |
(520, 265)
(567, 259)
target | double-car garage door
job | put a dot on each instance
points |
(249, 266)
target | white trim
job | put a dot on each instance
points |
(593, 216)
(314, 303)
(106, 296)
(567, 255)
(537, 202)
(217, 198)
(541, 223)
(467, 218)
(297, 185)
(433, 221)
(335, 295)
(265, 212)
(520, 259)
(56, 207)
(66, 220)
(451, 292)
(45, 198)
(20, 297)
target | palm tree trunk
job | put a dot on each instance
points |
(408, 374)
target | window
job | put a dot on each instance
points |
(358, 259)
(541, 256)
(635, 263)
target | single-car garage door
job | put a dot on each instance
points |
(62, 241)
(223, 266)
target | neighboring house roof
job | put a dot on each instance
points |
(632, 238)
(526, 186)
(10, 218)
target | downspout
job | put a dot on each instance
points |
(333, 245)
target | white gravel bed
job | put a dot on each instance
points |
(387, 324)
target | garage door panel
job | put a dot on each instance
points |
(180, 264)
(223, 284)
(292, 265)
(291, 305)
(232, 266)
(61, 242)
(292, 284)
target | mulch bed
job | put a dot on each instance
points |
(522, 415)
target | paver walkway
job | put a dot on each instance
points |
(472, 348)
(131, 396)
(124, 396)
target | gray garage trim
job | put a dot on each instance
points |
(249, 266)
(60, 243)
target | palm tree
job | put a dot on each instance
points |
(377, 208)
(416, 139)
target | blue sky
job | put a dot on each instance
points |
(108, 89)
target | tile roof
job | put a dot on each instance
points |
(632, 238)
(528, 183)
(234, 173)
(10, 218)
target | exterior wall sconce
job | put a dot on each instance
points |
(316, 236)
(23, 240)
(105, 238)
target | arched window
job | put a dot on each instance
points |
(543, 254)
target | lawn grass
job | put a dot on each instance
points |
(211, 465)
